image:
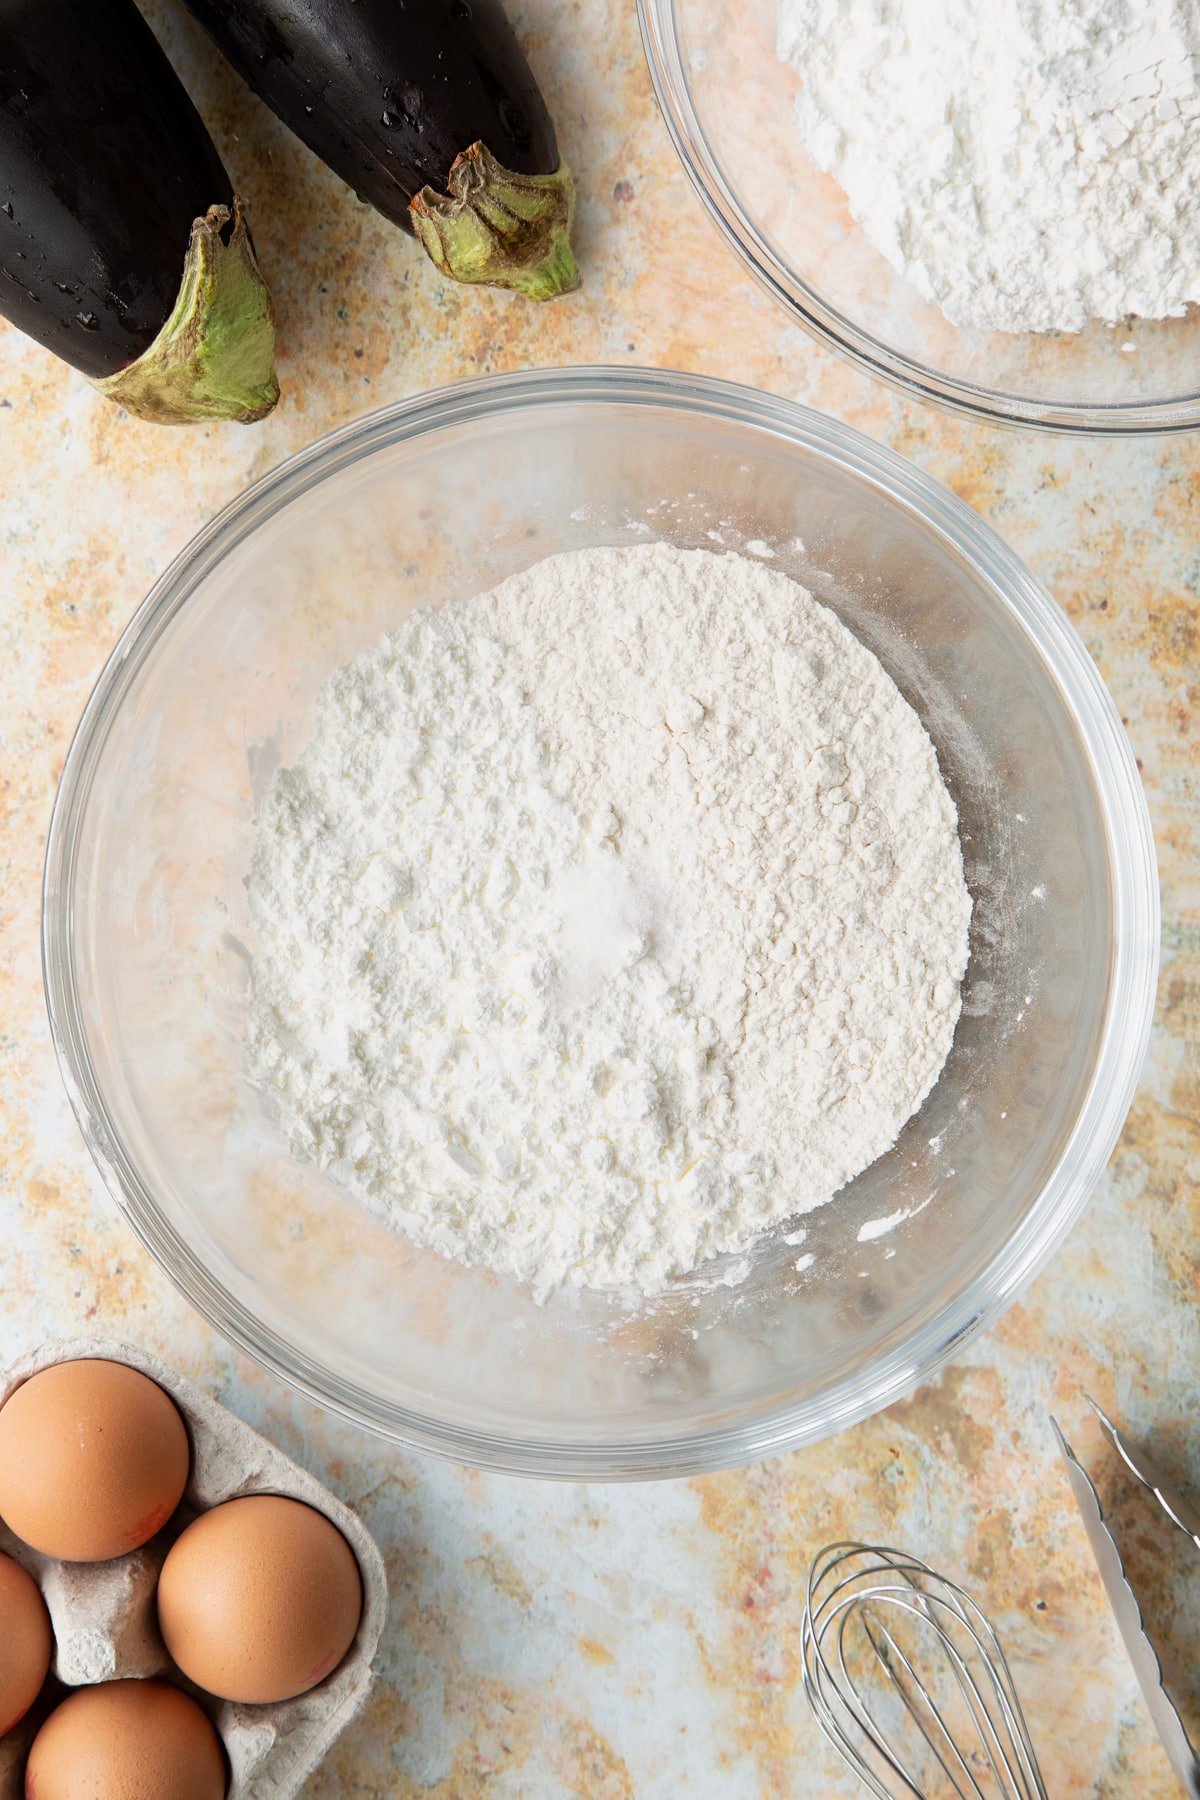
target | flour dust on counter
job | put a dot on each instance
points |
(607, 919)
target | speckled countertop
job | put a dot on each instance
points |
(551, 1640)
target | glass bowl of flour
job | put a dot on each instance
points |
(989, 205)
(322, 934)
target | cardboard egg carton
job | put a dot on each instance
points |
(105, 1616)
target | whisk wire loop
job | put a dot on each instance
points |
(918, 1704)
(872, 1618)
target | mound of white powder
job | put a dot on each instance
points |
(607, 919)
(1027, 164)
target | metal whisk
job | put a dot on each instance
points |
(907, 1678)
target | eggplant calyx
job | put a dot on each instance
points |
(215, 356)
(500, 228)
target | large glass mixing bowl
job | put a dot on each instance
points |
(728, 103)
(147, 939)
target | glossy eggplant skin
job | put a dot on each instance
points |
(390, 92)
(104, 166)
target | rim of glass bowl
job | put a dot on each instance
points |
(1132, 873)
(660, 40)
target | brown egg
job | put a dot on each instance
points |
(126, 1740)
(25, 1642)
(259, 1599)
(93, 1460)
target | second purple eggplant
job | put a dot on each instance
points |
(430, 111)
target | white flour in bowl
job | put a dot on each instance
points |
(607, 918)
(1027, 164)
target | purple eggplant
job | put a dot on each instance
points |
(429, 110)
(122, 247)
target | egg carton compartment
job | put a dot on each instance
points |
(105, 1617)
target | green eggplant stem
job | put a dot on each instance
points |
(215, 356)
(500, 228)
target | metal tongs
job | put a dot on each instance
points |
(1127, 1609)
